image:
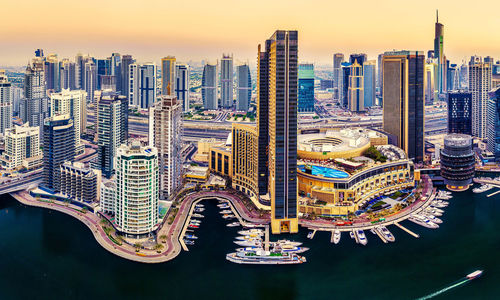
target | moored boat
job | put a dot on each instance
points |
(336, 236)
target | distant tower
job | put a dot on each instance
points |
(5, 103)
(306, 88)
(244, 87)
(142, 88)
(369, 74)
(90, 81)
(127, 60)
(356, 91)
(338, 58)
(439, 55)
(209, 87)
(226, 81)
(34, 107)
(182, 85)
(168, 75)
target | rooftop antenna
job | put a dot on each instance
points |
(437, 15)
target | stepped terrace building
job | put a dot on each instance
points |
(80, 182)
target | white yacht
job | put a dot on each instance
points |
(361, 237)
(251, 231)
(386, 233)
(336, 236)
(423, 221)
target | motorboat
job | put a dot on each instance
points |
(262, 257)
(361, 237)
(386, 233)
(251, 231)
(226, 211)
(233, 224)
(423, 221)
(475, 274)
(336, 236)
(310, 235)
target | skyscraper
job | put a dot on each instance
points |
(356, 91)
(5, 103)
(338, 58)
(112, 128)
(263, 117)
(58, 147)
(479, 86)
(306, 88)
(493, 126)
(359, 57)
(168, 75)
(430, 82)
(34, 107)
(281, 51)
(344, 83)
(116, 70)
(142, 88)
(79, 71)
(127, 60)
(67, 76)
(226, 81)
(51, 67)
(136, 172)
(182, 78)
(244, 87)
(380, 81)
(74, 104)
(460, 112)
(90, 80)
(165, 133)
(369, 76)
(209, 86)
(439, 55)
(403, 98)
(103, 69)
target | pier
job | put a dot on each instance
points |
(380, 236)
(313, 233)
(332, 236)
(407, 230)
(493, 194)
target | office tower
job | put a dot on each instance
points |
(182, 85)
(263, 117)
(460, 112)
(67, 75)
(439, 55)
(463, 76)
(306, 88)
(403, 98)
(16, 95)
(79, 71)
(359, 57)
(142, 88)
(79, 182)
(244, 160)
(90, 80)
(127, 60)
(226, 81)
(112, 128)
(380, 81)
(355, 94)
(116, 70)
(479, 86)
(168, 75)
(430, 82)
(165, 134)
(344, 90)
(74, 104)
(5, 103)
(209, 87)
(103, 68)
(244, 87)
(108, 82)
(39, 53)
(34, 107)
(58, 147)
(457, 162)
(493, 125)
(22, 148)
(136, 172)
(452, 77)
(282, 83)
(51, 65)
(489, 60)
(338, 58)
(325, 84)
(369, 79)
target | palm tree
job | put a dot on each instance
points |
(137, 247)
(163, 238)
(158, 247)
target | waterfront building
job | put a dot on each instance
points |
(403, 100)
(107, 197)
(22, 148)
(182, 79)
(282, 48)
(439, 55)
(338, 58)
(168, 75)
(306, 88)
(243, 88)
(479, 86)
(79, 182)
(165, 133)
(460, 112)
(112, 128)
(127, 60)
(245, 176)
(355, 94)
(457, 162)
(226, 81)
(34, 107)
(142, 87)
(137, 190)
(90, 80)
(5, 103)
(58, 147)
(209, 87)
(493, 123)
(369, 76)
(73, 103)
(219, 160)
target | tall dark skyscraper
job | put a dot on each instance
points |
(460, 112)
(263, 116)
(438, 53)
(281, 81)
(338, 58)
(306, 88)
(127, 60)
(403, 99)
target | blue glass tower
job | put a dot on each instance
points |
(306, 88)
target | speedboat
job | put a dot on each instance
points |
(433, 211)
(199, 206)
(198, 216)
(361, 237)
(234, 224)
(223, 206)
(228, 216)
(188, 242)
(199, 210)
(310, 235)
(191, 236)
(475, 274)
(482, 188)
(248, 237)
(351, 234)
(226, 211)
(290, 249)
(336, 236)
(286, 243)
(386, 233)
(193, 226)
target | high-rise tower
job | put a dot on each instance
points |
(5, 103)
(244, 87)
(168, 75)
(226, 81)
(209, 86)
(439, 55)
(479, 86)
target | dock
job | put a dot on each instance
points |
(185, 227)
(266, 238)
(331, 238)
(380, 236)
(493, 194)
(406, 229)
(313, 233)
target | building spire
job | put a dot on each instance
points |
(437, 15)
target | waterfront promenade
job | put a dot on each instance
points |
(172, 231)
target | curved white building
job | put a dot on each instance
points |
(137, 189)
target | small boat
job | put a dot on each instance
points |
(228, 216)
(433, 218)
(310, 235)
(483, 188)
(193, 226)
(251, 243)
(234, 224)
(373, 231)
(475, 274)
(191, 236)
(199, 206)
(248, 237)
(361, 237)
(351, 234)
(188, 242)
(282, 243)
(336, 236)
(198, 216)
(386, 233)
(199, 210)
(226, 211)
(223, 206)
(423, 221)
(251, 231)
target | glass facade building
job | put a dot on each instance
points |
(209, 87)
(457, 162)
(460, 112)
(306, 88)
(493, 125)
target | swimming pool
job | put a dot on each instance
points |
(325, 172)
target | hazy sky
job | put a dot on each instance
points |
(204, 29)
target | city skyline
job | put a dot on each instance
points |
(384, 27)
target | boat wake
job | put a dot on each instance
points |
(441, 291)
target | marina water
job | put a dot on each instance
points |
(49, 254)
